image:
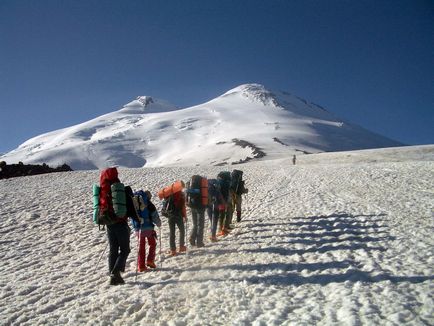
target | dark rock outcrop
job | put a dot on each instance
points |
(21, 169)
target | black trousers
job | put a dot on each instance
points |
(176, 221)
(198, 217)
(119, 241)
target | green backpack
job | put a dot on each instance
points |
(114, 208)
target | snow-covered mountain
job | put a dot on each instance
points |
(247, 122)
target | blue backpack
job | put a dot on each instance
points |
(146, 210)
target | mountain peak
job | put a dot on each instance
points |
(147, 104)
(145, 100)
(252, 89)
(254, 93)
(140, 102)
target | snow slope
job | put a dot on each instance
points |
(247, 122)
(345, 240)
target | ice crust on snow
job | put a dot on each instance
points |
(338, 239)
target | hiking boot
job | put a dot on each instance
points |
(182, 249)
(172, 253)
(112, 280)
(143, 269)
(213, 239)
(151, 264)
(200, 245)
(223, 233)
(119, 278)
(116, 279)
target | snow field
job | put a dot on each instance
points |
(324, 244)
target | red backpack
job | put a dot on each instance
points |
(110, 197)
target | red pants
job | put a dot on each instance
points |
(151, 237)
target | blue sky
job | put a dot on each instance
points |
(65, 62)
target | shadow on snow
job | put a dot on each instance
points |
(320, 234)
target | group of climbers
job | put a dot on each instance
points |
(114, 203)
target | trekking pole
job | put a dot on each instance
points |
(186, 234)
(161, 258)
(105, 248)
(138, 245)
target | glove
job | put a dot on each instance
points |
(141, 220)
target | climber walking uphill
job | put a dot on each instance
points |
(238, 188)
(225, 218)
(144, 229)
(110, 210)
(174, 209)
(197, 200)
(216, 205)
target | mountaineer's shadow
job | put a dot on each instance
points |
(318, 248)
(319, 233)
(260, 268)
(352, 275)
(287, 274)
